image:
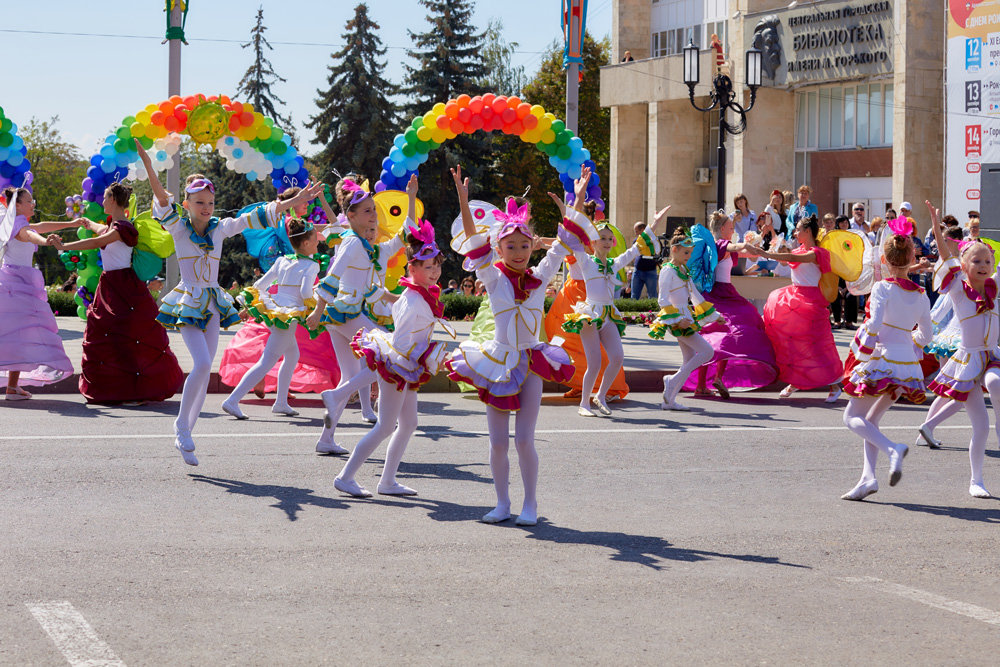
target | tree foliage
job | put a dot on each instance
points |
(255, 86)
(357, 117)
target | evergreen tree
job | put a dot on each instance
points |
(449, 63)
(255, 87)
(357, 118)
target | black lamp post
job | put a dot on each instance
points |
(723, 98)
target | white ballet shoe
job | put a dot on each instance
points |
(928, 437)
(584, 412)
(977, 490)
(184, 442)
(233, 410)
(351, 488)
(896, 457)
(330, 402)
(834, 394)
(787, 392)
(396, 489)
(498, 515)
(674, 405)
(369, 417)
(527, 517)
(330, 447)
(601, 407)
(188, 455)
(863, 489)
(285, 410)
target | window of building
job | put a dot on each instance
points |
(686, 21)
(839, 117)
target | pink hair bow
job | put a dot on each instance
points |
(424, 232)
(901, 226)
(514, 220)
(359, 193)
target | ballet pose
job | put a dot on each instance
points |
(888, 351)
(596, 318)
(976, 362)
(683, 312)
(508, 370)
(31, 351)
(283, 312)
(126, 353)
(198, 306)
(405, 360)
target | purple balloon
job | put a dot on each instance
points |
(600, 204)
(380, 186)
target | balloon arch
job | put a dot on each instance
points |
(15, 169)
(466, 115)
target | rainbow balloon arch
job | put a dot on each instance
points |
(15, 169)
(250, 142)
(489, 113)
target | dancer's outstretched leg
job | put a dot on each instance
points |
(941, 409)
(979, 418)
(389, 407)
(590, 340)
(290, 352)
(611, 341)
(405, 426)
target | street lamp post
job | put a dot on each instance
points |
(723, 98)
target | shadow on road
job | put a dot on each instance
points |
(640, 549)
(978, 514)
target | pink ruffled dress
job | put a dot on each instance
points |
(887, 348)
(29, 337)
(797, 322)
(497, 368)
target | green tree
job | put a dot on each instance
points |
(59, 169)
(357, 118)
(501, 77)
(255, 87)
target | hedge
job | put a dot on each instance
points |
(62, 303)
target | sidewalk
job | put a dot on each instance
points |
(646, 360)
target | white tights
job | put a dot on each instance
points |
(592, 339)
(202, 346)
(524, 441)
(353, 376)
(941, 410)
(862, 417)
(280, 343)
(696, 352)
(397, 414)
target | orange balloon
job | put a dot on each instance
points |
(463, 101)
(488, 99)
(443, 122)
(523, 110)
(500, 104)
(176, 99)
(513, 101)
(451, 110)
(530, 121)
(157, 117)
(224, 99)
(166, 107)
(476, 104)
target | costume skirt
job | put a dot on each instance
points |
(499, 382)
(572, 292)
(192, 305)
(29, 337)
(265, 309)
(584, 312)
(739, 340)
(888, 371)
(126, 353)
(963, 372)
(375, 348)
(316, 371)
(797, 323)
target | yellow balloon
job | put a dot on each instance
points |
(537, 111)
(208, 122)
(424, 133)
(143, 117)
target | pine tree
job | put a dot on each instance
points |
(357, 118)
(255, 87)
(449, 63)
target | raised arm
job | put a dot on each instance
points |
(580, 189)
(411, 195)
(331, 217)
(657, 219)
(305, 195)
(162, 196)
(944, 252)
(462, 187)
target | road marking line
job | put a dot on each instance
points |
(434, 430)
(72, 635)
(930, 599)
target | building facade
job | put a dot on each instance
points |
(851, 104)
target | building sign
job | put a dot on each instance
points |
(823, 42)
(972, 134)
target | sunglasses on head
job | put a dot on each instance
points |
(198, 185)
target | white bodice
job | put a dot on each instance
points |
(116, 255)
(19, 253)
(895, 311)
(295, 278)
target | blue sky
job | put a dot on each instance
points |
(91, 82)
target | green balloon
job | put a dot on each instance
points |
(6, 139)
(411, 136)
(418, 122)
(276, 134)
(279, 148)
(564, 152)
(94, 211)
(2, 115)
(146, 142)
(562, 138)
(128, 120)
(265, 146)
(123, 133)
(409, 150)
(81, 312)
(91, 284)
(5, 125)
(558, 126)
(423, 146)
(433, 145)
(121, 145)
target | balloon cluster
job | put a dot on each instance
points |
(324, 261)
(73, 260)
(161, 156)
(464, 114)
(87, 264)
(15, 169)
(243, 159)
(75, 207)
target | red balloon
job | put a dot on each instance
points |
(457, 126)
(237, 107)
(497, 122)
(487, 113)
(157, 117)
(488, 99)
(517, 127)
(477, 122)
(442, 121)
(181, 114)
(246, 119)
(530, 121)
(476, 104)
(464, 114)
(234, 123)
(509, 115)
(499, 104)
(171, 123)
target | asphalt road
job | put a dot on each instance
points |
(715, 536)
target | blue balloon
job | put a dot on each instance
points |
(251, 175)
(275, 182)
(108, 166)
(574, 170)
(111, 139)
(594, 178)
(17, 144)
(384, 176)
(398, 169)
(554, 161)
(396, 155)
(576, 143)
(4, 153)
(586, 155)
(107, 152)
(590, 163)
(399, 141)
(121, 160)
(6, 169)
(237, 153)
